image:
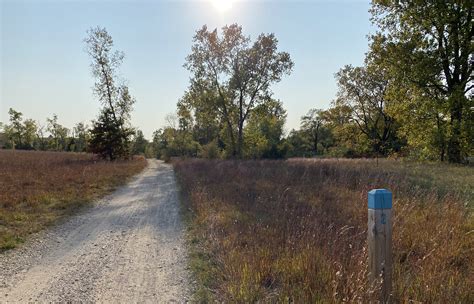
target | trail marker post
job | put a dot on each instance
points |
(380, 240)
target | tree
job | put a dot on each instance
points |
(175, 139)
(59, 134)
(264, 131)
(29, 134)
(114, 119)
(314, 136)
(20, 134)
(178, 136)
(14, 130)
(81, 137)
(363, 90)
(297, 144)
(240, 74)
(345, 136)
(157, 143)
(107, 137)
(41, 141)
(139, 143)
(427, 49)
(197, 109)
(312, 124)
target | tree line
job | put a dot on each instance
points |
(28, 134)
(110, 136)
(412, 97)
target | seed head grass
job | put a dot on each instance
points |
(38, 188)
(296, 230)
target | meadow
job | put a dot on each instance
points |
(39, 188)
(296, 230)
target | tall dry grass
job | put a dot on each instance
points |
(37, 188)
(295, 231)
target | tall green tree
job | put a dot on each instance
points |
(198, 109)
(111, 133)
(81, 136)
(29, 133)
(240, 72)
(107, 137)
(297, 144)
(59, 134)
(346, 139)
(314, 136)
(312, 124)
(264, 131)
(363, 90)
(139, 143)
(426, 48)
(20, 134)
(14, 130)
(157, 143)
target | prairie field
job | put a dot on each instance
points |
(38, 188)
(296, 230)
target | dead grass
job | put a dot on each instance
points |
(38, 188)
(295, 231)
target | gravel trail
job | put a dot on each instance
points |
(128, 248)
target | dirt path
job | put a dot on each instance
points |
(128, 248)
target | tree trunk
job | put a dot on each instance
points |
(240, 140)
(315, 143)
(232, 139)
(441, 139)
(454, 144)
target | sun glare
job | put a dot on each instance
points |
(222, 5)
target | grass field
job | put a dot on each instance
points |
(38, 188)
(295, 231)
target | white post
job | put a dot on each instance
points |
(380, 240)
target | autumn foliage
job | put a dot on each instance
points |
(37, 188)
(295, 231)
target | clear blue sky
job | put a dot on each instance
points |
(45, 70)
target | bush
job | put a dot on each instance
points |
(210, 151)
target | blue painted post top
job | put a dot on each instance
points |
(380, 199)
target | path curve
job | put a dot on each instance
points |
(128, 248)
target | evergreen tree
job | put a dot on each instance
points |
(108, 139)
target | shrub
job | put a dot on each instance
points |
(210, 150)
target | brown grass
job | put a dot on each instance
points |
(38, 188)
(295, 231)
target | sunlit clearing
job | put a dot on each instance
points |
(222, 5)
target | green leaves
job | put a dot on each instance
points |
(232, 77)
(111, 132)
(426, 49)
